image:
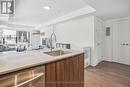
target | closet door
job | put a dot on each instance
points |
(122, 42)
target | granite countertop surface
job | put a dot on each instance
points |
(14, 61)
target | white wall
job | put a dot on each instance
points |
(48, 31)
(109, 40)
(79, 32)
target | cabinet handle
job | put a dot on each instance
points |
(127, 44)
(123, 44)
(34, 78)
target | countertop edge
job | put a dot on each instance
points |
(38, 64)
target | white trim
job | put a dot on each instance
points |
(74, 14)
(119, 19)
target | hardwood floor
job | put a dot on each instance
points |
(107, 74)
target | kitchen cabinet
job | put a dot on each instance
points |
(33, 77)
(7, 81)
(66, 72)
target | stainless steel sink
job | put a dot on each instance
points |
(57, 53)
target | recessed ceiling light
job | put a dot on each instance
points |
(47, 7)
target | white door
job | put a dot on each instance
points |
(122, 42)
(99, 40)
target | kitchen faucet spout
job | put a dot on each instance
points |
(52, 41)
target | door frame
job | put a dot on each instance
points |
(115, 49)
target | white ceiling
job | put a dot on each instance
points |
(31, 12)
(110, 9)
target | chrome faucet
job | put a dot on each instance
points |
(52, 38)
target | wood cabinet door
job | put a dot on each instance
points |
(40, 82)
(60, 74)
(81, 70)
(74, 71)
(66, 73)
(50, 75)
(7, 81)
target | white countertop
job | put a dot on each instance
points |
(13, 61)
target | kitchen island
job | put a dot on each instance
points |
(24, 69)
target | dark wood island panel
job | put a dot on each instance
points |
(68, 72)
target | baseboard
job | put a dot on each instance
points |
(95, 64)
